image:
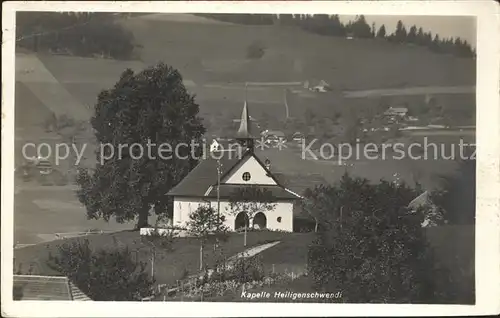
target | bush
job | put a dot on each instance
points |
(103, 275)
(458, 195)
(164, 239)
(376, 250)
(247, 269)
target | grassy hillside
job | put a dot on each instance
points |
(170, 264)
(292, 54)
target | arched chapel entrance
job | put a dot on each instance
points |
(241, 220)
(259, 221)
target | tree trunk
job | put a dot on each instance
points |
(201, 256)
(142, 220)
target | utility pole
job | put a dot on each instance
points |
(247, 219)
(153, 259)
(219, 168)
(286, 104)
(341, 210)
(218, 187)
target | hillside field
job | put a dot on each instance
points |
(217, 52)
(212, 59)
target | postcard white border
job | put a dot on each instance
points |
(488, 151)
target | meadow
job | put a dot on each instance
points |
(171, 263)
(293, 55)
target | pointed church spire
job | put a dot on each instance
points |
(244, 130)
(244, 134)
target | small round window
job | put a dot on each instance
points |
(246, 176)
(279, 219)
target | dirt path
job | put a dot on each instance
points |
(253, 251)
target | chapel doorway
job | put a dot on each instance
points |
(241, 220)
(259, 221)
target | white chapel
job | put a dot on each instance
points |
(226, 170)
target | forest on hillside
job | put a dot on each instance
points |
(84, 34)
(81, 33)
(323, 24)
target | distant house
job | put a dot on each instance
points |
(424, 200)
(34, 287)
(298, 136)
(227, 144)
(321, 86)
(396, 111)
(275, 135)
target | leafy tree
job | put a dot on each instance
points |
(315, 200)
(103, 275)
(463, 48)
(320, 24)
(373, 248)
(360, 28)
(152, 109)
(400, 33)
(381, 32)
(428, 39)
(337, 28)
(457, 196)
(287, 19)
(309, 117)
(352, 122)
(251, 200)
(436, 44)
(205, 224)
(412, 35)
(420, 37)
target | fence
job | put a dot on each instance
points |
(188, 285)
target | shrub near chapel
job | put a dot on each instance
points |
(103, 275)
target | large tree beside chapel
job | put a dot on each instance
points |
(150, 107)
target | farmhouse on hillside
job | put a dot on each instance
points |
(215, 179)
(396, 111)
